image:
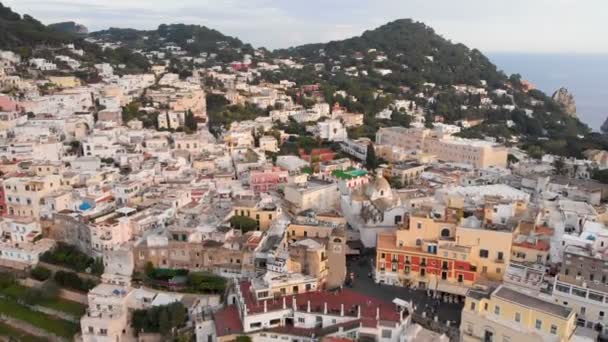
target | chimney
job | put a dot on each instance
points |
(265, 306)
(308, 306)
(341, 309)
(325, 308)
(284, 303)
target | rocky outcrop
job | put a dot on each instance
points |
(70, 27)
(566, 100)
(604, 127)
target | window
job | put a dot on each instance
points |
(562, 288)
(301, 320)
(255, 325)
(497, 310)
(553, 329)
(579, 292)
(419, 225)
(517, 317)
(488, 336)
(386, 333)
(499, 256)
(538, 324)
(483, 253)
(472, 305)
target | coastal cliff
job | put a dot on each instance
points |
(566, 100)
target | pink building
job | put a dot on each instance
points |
(267, 179)
(7, 104)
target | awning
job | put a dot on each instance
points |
(402, 303)
(453, 289)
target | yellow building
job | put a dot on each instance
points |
(317, 247)
(508, 315)
(65, 81)
(23, 195)
(262, 213)
(433, 251)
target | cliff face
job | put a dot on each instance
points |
(566, 100)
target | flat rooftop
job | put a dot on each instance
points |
(531, 302)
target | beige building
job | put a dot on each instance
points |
(317, 247)
(445, 147)
(315, 194)
(235, 257)
(508, 315)
(23, 195)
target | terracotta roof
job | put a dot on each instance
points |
(228, 321)
(349, 298)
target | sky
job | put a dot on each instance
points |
(531, 26)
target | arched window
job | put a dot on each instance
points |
(418, 242)
(445, 232)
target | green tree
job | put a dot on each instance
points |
(97, 266)
(243, 223)
(164, 325)
(190, 121)
(40, 273)
(371, 161)
(535, 152)
(130, 112)
(243, 338)
(559, 165)
(177, 313)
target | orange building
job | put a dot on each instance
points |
(432, 252)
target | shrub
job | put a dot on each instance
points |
(40, 273)
(243, 223)
(71, 280)
(68, 256)
(205, 282)
(161, 319)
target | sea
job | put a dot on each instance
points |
(585, 76)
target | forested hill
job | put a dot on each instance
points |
(408, 60)
(30, 38)
(194, 39)
(413, 50)
(20, 32)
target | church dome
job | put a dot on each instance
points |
(378, 188)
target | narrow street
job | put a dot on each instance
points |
(361, 268)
